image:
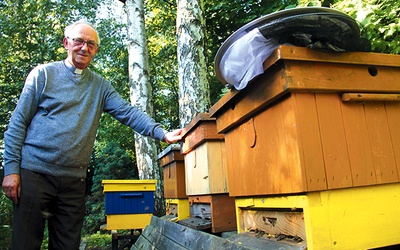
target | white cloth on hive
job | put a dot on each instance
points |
(244, 59)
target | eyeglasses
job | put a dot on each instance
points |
(79, 42)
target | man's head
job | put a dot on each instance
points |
(82, 43)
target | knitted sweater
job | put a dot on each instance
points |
(54, 125)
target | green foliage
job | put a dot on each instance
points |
(114, 162)
(163, 65)
(98, 241)
(379, 21)
(5, 222)
(31, 34)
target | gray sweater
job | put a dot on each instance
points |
(54, 125)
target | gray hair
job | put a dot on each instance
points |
(69, 28)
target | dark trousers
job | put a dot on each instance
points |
(60, 200)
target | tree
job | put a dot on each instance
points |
(141, 97)
(194, 93)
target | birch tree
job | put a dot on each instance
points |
(194, 90)
(140, 95)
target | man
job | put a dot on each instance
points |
(50, 138)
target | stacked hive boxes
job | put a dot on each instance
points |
(206, 176)
(172, 162)
(313, 148)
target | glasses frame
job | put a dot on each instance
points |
(89, 44)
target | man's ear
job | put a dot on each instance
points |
(65, 41)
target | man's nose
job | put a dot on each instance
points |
(84, 46)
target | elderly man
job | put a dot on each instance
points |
(50, 138)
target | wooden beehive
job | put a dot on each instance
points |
(313, 121)
(215, 212)
(129, 203)
(204, 153)
(173, 164)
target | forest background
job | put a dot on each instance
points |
(31, 33)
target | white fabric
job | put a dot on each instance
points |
(244, 59)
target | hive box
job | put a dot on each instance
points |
(348, 218)
(313, 121)
(173, 164)
(129, 203)
(205, 161)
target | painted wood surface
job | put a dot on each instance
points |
(350, 218)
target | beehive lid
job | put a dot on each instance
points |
(128, 185)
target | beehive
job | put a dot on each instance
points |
(129, 204)
(313, 121)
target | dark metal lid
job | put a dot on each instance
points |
(313, 27)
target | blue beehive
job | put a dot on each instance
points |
(129, 202)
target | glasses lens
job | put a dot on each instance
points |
(79, 42)
(91, 45)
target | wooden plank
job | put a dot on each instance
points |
(273, 172)
(254, 241)
(393, 114)
(205, 169)
(200, 129)
(174, 180)
(240, 163)
(233, 178)
(200, 199)
(358, 144)
(292, 139)
(217, 170)
(312, 159)
(381, 144)
(159, 240)
(336, 158)
(223, 213)
(334, 78)
(143, 243)
(171, 157)
(187, 237)
(358, 58)
(196, 171)
(368, 97)
(274, 222)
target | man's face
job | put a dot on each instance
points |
(81, 54)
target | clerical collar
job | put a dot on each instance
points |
(71, 68)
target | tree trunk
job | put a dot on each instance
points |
(141, 97)
(194, 90)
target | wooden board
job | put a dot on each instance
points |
(314, 141)
(162, 234)
(205, 169)
(274, 222)
(253, 240)
(171, 156)
(200, 129)
(174, 180)
(222, 209)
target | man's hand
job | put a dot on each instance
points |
(173, 136)
(12, 187)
